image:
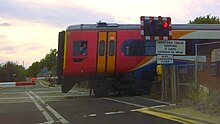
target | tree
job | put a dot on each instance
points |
(12, 72)
(49, 62)
(34, 69)
(50, 59)
(206, 20)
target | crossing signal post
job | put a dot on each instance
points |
(159, 29)
(156, 28)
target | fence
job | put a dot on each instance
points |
(195, 80)
(208, 73)
(177, 82)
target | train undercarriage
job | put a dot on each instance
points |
(104, 86)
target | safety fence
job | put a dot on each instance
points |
(196, 80)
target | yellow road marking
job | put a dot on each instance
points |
(166, 116)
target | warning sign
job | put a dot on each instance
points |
(164, 59)
(170, 47)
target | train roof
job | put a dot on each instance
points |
(115, 26)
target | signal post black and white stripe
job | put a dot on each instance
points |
(168, 19)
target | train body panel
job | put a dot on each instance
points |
(79, 64)
(104, 53)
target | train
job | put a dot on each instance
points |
(115, 58)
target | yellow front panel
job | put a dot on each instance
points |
(101, 61)
(111, 58)
(65, 45)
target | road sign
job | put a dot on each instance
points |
(170, 47)
(164, 59)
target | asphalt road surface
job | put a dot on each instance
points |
(41, 104)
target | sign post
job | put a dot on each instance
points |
(165, 50)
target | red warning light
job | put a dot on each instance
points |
(156, 28)
(165, 24)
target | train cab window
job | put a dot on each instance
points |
(137, 47)
(111, 47)
(101, 48)
(80, 48)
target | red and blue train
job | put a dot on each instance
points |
(115, 57)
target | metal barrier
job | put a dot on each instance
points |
(14, 84)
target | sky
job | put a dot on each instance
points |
(29, 28)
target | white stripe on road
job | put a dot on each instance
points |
(74, 91)
(12, 93)
(46, 92)
(128, 103)
(14, 98)
(154, 100)
(92, 115)
(142, 106)
(113, 113)
(57, 115)
(42, 84)
(158, 106)
(46, 115)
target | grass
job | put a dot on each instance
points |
(203, 100)
(191, 111)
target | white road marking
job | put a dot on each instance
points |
(57, 96)
(141, 106)
(37, 97)
(74, 91)
(46, 115)
(113, 113)
(135, 110)
(14, 98)
(43, 84)
(92, 115)
(12, 93)
(41, 92)
(57, 115)
(128, 103)
(158, 106)
(154, 100)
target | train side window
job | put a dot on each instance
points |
(137, 47)
(101, 48)
(80, 48)
(111, 47)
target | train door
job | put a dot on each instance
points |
(106, 54)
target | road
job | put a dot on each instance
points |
(44, 105)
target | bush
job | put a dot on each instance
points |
(12, 72)
(198, 94)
